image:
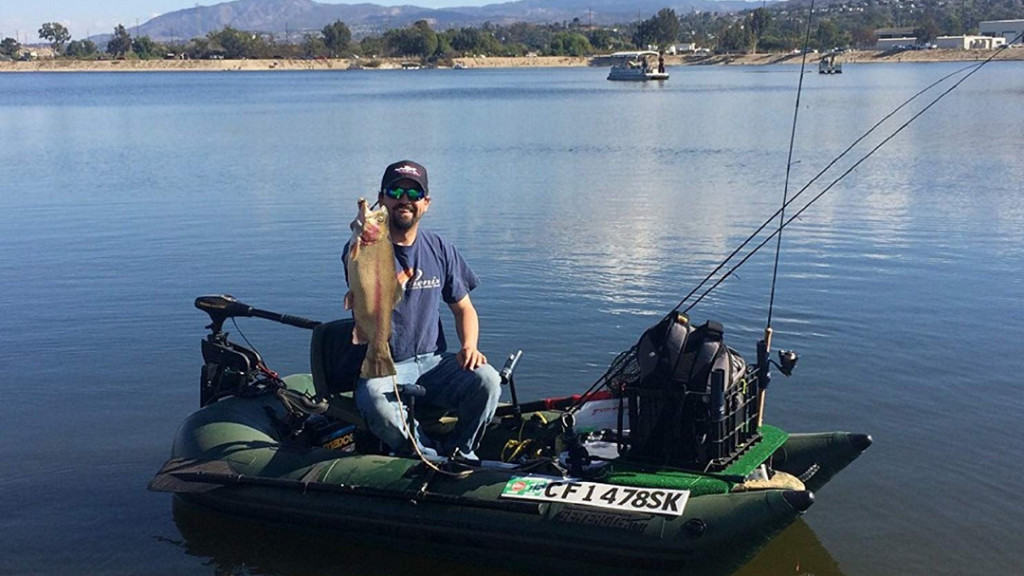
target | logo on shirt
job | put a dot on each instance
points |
(418, 281)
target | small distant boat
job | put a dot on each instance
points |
(634, 67)
(829, 65)
(410, 66)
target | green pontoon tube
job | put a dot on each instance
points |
(651, 470)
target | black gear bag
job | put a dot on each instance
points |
(691, 406)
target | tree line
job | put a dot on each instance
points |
(766, 29)
(335, 40)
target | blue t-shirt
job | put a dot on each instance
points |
(431, 270)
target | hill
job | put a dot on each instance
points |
(291, 19)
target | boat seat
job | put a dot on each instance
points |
(334, 362)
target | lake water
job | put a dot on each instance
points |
(588, 208)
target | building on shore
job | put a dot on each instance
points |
(681, 48)
(1007, 29)
(895, 38)
(969, 42)
(900, 33)
(942, 42)
(895, 42)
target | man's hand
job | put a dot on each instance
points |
(470, 358)
(467, 324)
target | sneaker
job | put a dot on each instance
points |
(467, 458)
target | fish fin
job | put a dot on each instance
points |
(357, 337)
(403, 277)
(375, 367)
(353, 249)
(398, 293)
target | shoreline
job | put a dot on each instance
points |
(854, 57)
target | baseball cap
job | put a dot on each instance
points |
(405, 170)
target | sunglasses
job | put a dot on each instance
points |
(414, 194)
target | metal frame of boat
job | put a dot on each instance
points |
(631, 67)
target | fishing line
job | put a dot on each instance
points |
(410, 432)
(789, 164)
(821, 173)
(844, 174)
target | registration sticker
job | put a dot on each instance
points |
(624, 498)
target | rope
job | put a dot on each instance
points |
(416, 445)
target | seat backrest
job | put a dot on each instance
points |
(333, 359)
(334, 362)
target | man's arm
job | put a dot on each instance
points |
(467, 324)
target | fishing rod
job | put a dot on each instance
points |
(621, 362)
(764, 346)
(789, 166)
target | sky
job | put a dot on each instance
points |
(87, 17)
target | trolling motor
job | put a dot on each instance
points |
(230, 369)
(220, 307)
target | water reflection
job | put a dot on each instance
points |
(797, 551)
(582, 216)
(233, 545)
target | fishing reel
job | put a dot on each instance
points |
(786, 364)
(787, 361)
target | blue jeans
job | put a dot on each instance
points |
(472, 394)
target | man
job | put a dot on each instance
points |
(431, 270)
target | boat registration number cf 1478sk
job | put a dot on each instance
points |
(624, 498)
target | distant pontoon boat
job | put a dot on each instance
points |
(634, 66)
(829, 65)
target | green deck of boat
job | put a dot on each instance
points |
(624, 473)
(633, 474)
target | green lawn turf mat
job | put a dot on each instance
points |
(632, 475)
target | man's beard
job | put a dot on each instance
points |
(401, 224)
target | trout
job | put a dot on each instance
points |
(374, 288)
